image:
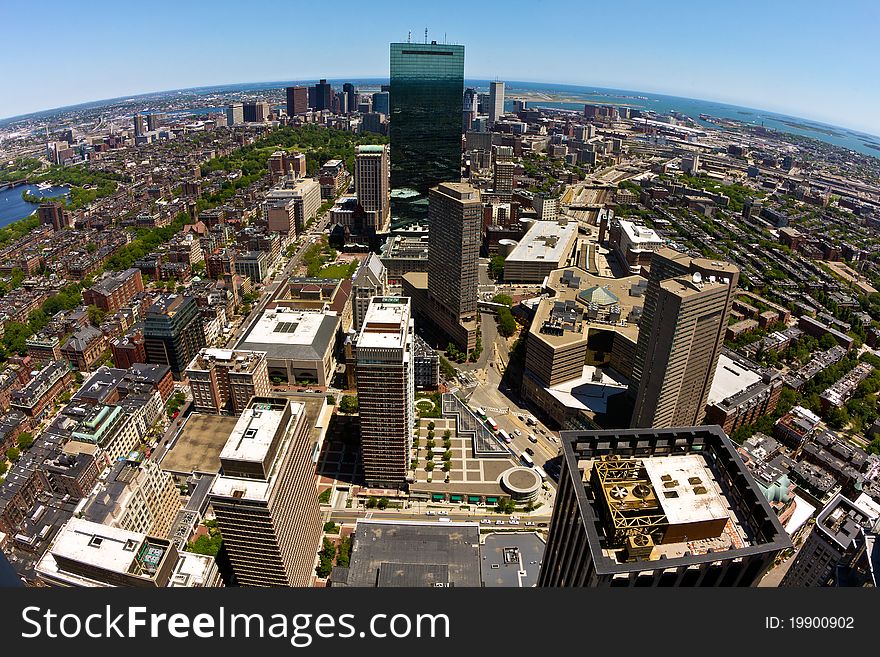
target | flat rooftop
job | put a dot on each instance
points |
(545, 241)
(294, 334)
(688, 491)
(254, 432)
(639, 234)
(198, 447)
(588, 394)
(386, 323)
(414, 554)
(107, 548)
(730, 378)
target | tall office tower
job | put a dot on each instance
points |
(633, 511)
(234, 114)
(257, 112)
(351, 95)
(382, 102)
(365, 106)
(341, 103)
(386, 391)
(173, 332)
(323, 96)
(297, 100)
(371, 170)
(53, 214)
(496, 101)
(370, 280)
(665, 263)
(838, 552)
(504, 168)
(265, 497)
(224, 380)
(455, 213)
(155, 120)
(138, 125)
(680, 342)
(427, 81)
(468, 109)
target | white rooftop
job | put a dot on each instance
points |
(730, 378)
(253, 433)
(587, 394)
(385, 324)
(286, 326)
(688, 506)
(108, 548)
(639, 234)
(545, 241)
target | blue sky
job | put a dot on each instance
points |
(816, 60)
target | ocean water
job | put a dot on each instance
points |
(13, 207)
(844, 137)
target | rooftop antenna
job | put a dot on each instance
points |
(426, 35)
(409, 36)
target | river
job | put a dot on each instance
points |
(14, 208)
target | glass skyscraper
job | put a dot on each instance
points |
(427, 84)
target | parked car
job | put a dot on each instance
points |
(486, 521)
(429, 513)
(530, 451)
(499, 522)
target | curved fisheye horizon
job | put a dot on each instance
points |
(258, 84)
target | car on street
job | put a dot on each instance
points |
(429, 513)
(443, 513)
(530, 523)
(517, 432)
(486, 521)
(499, 522)
(533, 438)
(514, 522)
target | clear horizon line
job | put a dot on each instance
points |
(475, 78)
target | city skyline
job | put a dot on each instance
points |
(655, 57)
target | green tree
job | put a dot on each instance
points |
(331, 527)
(429, 466)
(349, 404)
(325, 558)
(496, 267)
(431, 426)
(13, 454)
(343, 554)
(25, 439)
(506, 323)
(4, 467)
(505, 506)
(503, 299)
(371, 503)
(324, 497)
(96, 315)
(382, 504)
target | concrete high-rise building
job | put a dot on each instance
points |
(257, 112)
(427, 83)
(234, 114)
(370, 280)
(265, 497)
(468, 109)
(446, 295)
(679, 342)
(669, 507)
(155, 120)
(503, 169)
(280, 214)
(351, 95)
(838, 552)
(224, 380)
(53, 214)
(496, 101)
(455, 212)
(297, 100)
(372, 186)
(173, 332)
(386, 391)
(322, 96)
(139, 125)
(382, 102)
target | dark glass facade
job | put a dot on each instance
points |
(427, 84)
(173, 333)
